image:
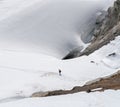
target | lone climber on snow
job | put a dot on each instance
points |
(60, 72)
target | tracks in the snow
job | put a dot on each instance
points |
(9, 99)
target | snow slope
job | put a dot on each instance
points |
(105, 99)
(52, 27)
(22, 73)
(25, 35)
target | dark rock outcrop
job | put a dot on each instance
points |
(106, 30)
(75, 52)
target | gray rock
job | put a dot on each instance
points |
(107, 28)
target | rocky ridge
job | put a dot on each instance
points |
(105, 31)
(101, 84)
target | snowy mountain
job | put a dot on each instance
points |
(35, 34)
(106, 29)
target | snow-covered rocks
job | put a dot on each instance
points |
(112, 54)
(112, 61)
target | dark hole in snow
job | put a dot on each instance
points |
(112, 54)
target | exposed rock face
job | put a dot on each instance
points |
(101, 84)
(112, 19)
(107, 28)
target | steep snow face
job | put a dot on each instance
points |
(49, 26)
